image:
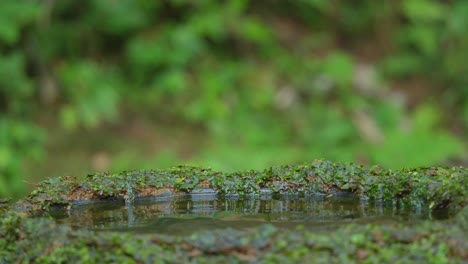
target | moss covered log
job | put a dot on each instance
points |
(41, 240)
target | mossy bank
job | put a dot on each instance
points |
(27, 238)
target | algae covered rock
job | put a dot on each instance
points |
(29, 234)
(432, 187)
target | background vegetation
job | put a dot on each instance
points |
(236, 84)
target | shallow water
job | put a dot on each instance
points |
(185, 214)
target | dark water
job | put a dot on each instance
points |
(186, 214)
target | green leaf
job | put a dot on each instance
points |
(423, 10)
(340, 67)
(14, 15)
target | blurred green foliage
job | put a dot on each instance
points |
(269, 81)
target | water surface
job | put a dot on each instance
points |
(185, 214)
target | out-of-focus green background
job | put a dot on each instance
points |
(97, 85)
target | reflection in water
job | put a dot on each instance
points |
(185, 214)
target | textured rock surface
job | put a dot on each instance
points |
(39, 239)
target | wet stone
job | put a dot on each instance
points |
(321, 212)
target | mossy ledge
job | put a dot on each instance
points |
(26, 239)
(432, 187)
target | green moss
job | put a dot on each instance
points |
(40, 240)
(430, 187)
(43, 241)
